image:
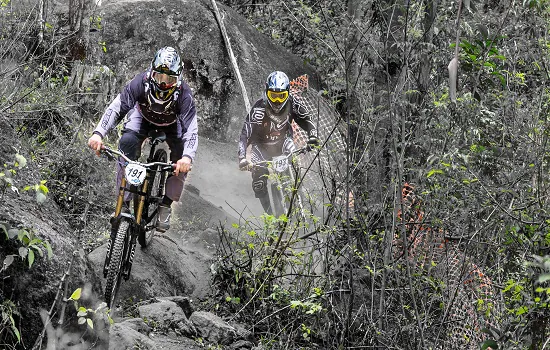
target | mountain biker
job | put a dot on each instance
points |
(157, 99)
(267, 128)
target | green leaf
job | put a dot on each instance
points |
(90, 323)
(43, 189)
(31, 257)
(8, 261)
(40, 197)
(489, 343)
(23, 251)
(76, 294)
(14, 329)
(543, 278)
(82, 313)
(22, 161)
(13, 232)
(37, 248)
(434, 171)
(295, 303)
(48, 249)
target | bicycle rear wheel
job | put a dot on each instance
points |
(114, 273)
(155, 192)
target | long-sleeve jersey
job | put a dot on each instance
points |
(259, 128)
(180, 114)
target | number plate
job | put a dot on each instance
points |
(135, 173)
(280, 163)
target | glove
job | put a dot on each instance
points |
(313, 141)
(244, 165)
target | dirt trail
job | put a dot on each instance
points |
(216, 175)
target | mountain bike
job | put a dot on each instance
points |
(283, 182)
(146, 182)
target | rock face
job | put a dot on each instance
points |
(132, 31)
(163, 325)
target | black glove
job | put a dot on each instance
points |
(313, 141)
(244, 165)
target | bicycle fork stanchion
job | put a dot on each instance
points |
(134, 229)
(120, 198)
(115, 221)
(141, 202)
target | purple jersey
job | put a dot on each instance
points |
(133, 102)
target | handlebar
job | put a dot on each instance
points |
(290, 155)
(111, 154)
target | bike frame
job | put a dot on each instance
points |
(140, 196)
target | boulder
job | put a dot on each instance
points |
(131, 40)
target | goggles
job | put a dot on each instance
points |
(277, 96)
(164, 81)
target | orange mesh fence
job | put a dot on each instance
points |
(325, 179)
(468, 291)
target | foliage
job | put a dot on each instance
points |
(42, 121)
(6, 176)
(479, 164)
(261, 268)
(87, 315)
(29, 244)
(8, 329)
(26, 245)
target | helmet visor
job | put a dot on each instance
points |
(277, 96)
(164, 81)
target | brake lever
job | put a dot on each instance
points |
(108, 154)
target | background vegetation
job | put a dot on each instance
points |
(450, 97)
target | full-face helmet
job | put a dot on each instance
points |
(166, 74)
(277, 89)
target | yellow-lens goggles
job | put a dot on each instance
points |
(277, 96)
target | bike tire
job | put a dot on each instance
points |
(114, 274)
(156, 189)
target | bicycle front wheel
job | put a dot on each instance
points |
(155, 193)
(114, 272)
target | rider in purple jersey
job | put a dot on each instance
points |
(157, 99)
(268, 129)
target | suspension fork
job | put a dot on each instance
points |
(141, 200)
(120, 198)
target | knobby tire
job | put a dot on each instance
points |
(156, 189)
(114, 274)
